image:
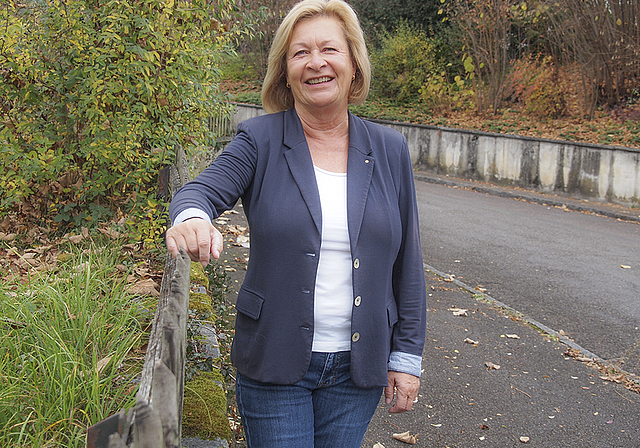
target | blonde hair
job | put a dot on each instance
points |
(276, 96)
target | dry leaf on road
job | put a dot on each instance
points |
(458, 311)
(406, 437)
(491, 366)
(614, 378)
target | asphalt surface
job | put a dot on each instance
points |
(493, 377)
(575, 272)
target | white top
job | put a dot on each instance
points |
(334, 290)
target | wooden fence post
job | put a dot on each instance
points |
(156, 419)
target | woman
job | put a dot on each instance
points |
(333, 306)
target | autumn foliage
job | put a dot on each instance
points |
(95, 96)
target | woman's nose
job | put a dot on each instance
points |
(317, 61)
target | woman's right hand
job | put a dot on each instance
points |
(198, 237)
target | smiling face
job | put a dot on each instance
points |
(319, 65)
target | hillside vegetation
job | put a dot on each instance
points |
(559, 70)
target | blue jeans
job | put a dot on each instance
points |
(322, 410)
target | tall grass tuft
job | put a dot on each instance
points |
(63, 338)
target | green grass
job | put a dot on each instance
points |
(64, 337)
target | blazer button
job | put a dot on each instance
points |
(357, 301)
(356, 263)
(355, 337)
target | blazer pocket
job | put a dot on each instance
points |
(249, 303)
(392, 312)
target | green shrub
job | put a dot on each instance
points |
(95, 96)
(238, 68)
(403, 64)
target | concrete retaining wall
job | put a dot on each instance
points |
(582, 170)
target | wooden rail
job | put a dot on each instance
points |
(156, 419)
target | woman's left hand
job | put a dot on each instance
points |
(405, 387)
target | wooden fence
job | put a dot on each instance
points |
(156, 419)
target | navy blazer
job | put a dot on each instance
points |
(269, 166)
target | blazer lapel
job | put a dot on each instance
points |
(301, 166)
(359, 172)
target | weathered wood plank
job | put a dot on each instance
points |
(156, 419)
(147, 430)
(165, 401)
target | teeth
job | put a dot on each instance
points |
(319, 80)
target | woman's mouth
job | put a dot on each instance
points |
(319, 80)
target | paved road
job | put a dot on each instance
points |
(559, 267)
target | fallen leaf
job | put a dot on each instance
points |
(145, 287)
(129, 247)
(75, 239)
(491, 366)
(614, 378)
(42, 249)
(111, 233)
(102, 364)
(484, 427)
(458, 311)
(243, 240)
(406, 437)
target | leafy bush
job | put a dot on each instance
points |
(536, 84)
(441, 96)
(95, 96)
(405, 61)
